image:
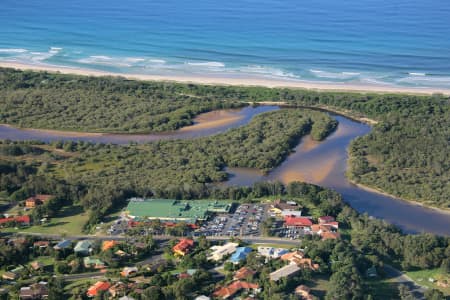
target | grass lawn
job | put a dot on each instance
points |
(318, 285)
(382, 288)
(69, 221)
(421, 278)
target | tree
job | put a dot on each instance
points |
(434, 294)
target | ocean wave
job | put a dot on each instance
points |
(213, 64)
(266, 71)
(425, 80)
(417, 74)
(157, 61)
(334, 75)
(13, 50)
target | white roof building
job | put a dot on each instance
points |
(285, 271)
(218, 252)
(295, 213)
(271, 252)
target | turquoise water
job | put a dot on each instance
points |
(396, 42)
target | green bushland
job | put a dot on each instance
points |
(406, 154)
(97, 104)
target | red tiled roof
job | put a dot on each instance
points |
(297, 221)
(183, 246)
(330, 235)
(233, 288)
(243, 273)
(19, 219)
(98, 286)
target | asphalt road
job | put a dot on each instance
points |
(399, 277)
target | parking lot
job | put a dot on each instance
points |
(246, 220)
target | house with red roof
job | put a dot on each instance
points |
(99, 286)
(183, 247)
(23, 220)
(243, 273)
(234, 288)
(292, 221)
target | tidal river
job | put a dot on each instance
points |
(322, 163)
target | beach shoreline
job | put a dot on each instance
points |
(234, 81)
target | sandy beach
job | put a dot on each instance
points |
(235, 81)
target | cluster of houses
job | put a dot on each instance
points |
(29, 203)
(291, 214)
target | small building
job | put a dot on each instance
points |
(118, 289)
(10, 276)
(41, 244)
(183, 247)
(34, 291)
(292, 221)
(98, 287)
(121, 253)
(22, 220)
(202, 297)
(292, 256)
(126, 297)
(271, 252)
(37, 265)
(106, 245)
(326, 219)
(371, 272)
(303, 291)
(234, 288)
(330, 235)
(243, 273)
(286, 271)
(128, 271)
(94, 263)
(240, 254)
(83, 247)
(292, 213)
(64, 244)
(36, 200)
(219, 252)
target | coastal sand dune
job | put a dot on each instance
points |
(218, 80)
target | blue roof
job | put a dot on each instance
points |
(63, 244)
(240, 254)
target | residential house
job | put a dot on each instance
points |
(128, 271)
(202, 297)
(98, 287)
(326, 219)
(304, 292)
(298, 222)
(121, 253)
(109, 244)
(64, 244)
(37, 265)
(271, 252)
(371, 272)
(218, 252)
(34, 291)
(330, 235)
(286, 271)
(240, 254)
(234, 288)
(183, 247)
(292, 256)
(10, 276)
(41, 244)
(94, 263)
(22, 220)
(126, 297)
(36, 200)
(243, 273)
(118, 289)
(83, 247)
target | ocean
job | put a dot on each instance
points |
(376, 42)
